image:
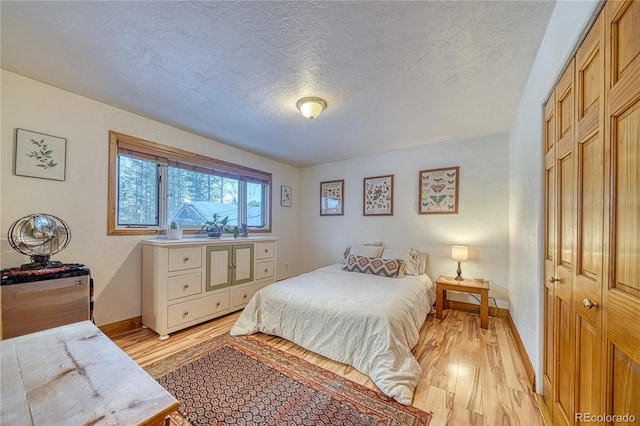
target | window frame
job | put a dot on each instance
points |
(120, 143)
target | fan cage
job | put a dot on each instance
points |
(39, 248)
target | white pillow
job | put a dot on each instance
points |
(422, 268)
(366, 250)
(410, 257)
(347, 251)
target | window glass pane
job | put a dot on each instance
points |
(195, 196)
(137, 192)
(256, 202)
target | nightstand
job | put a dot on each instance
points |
(466, 286)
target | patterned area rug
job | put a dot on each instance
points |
(242, 381)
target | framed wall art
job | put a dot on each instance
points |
(378, 196)
(285, 196)
(39, 155)
(439, 191)
(332, 198)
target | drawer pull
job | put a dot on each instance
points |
(186, 286)
(266, 270)
(244, 297)
(217, 304)
(266, 250)
(185, 313)
(185, 259)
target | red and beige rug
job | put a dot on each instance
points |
(242, 381)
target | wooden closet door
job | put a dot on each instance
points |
(548, 380)
(590, 243)
(621, 296)
(563, 398)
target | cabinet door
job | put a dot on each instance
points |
(242, 263)
(219, 267)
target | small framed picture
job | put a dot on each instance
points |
(378, 196)
(285, 196)
(438, 191)
(331, 198)
(39, 155)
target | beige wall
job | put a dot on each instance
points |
(568, 22)
(81, 200)
(482, 221)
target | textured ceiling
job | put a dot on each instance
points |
(394, 74)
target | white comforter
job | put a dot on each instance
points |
(366, 321)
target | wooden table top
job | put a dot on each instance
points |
(466, 283)
(75, 375)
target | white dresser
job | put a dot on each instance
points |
(188, 281)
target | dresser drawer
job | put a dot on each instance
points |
(264, 269)
(184, 258)
(241, 296)
(265, 250)
(184, 285)
(185, 312)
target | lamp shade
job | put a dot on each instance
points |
(311, 107)
(460, 253)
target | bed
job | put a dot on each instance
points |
(368, 321)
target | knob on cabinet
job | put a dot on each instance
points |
(553, 279)
(589, 304)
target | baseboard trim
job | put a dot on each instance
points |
(528, 366)
(120, 327)
(546, 417)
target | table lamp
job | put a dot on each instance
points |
(459, 253)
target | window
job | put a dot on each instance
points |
(151, 185)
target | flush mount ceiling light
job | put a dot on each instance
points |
(311, 107)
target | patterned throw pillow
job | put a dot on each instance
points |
(391, 268)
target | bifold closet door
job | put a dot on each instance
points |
(621, 297)
(559, 229)
(564, 330)
(548, 380)
(591, 235)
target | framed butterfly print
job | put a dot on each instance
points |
(438, 191)
(378, 196)
(331, 198)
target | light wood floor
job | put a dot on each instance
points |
(470, 376)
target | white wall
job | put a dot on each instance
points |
(568, 22)
(81, 200)
(482, 222)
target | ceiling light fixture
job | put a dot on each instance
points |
(311, 107)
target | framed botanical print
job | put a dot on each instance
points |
(332, 198)
(378, 196)
(438, 191)
(285, 196)
(39, 155)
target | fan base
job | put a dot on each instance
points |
(40, 262)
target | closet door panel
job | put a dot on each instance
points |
(590, 227)
(625, 386)
(565, 244)
(549, 256)
(589, 381)
(621, 296)
(563, 404)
